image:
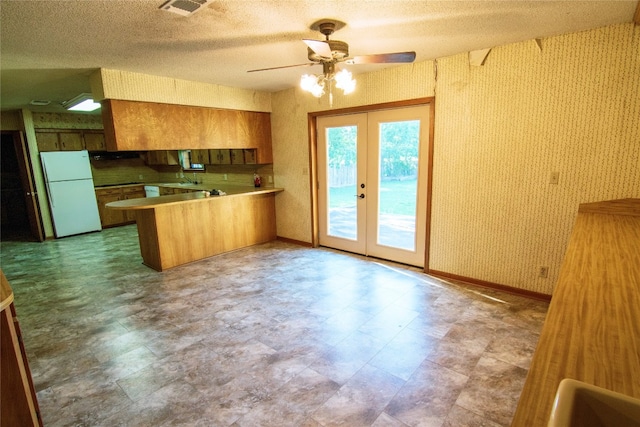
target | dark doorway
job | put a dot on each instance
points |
(16, 222)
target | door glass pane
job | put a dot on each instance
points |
(342, 187)
(398, 184)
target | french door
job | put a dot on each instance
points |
(372, 190)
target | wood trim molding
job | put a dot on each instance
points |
(496, 286)
(374, 107)
(313, 179)
(294, 242)
(636, 17)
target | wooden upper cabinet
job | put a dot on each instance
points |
(47, 141)
(220, 157)
(71, 141)
(163, 157)
(94, 141)
(140, 126)
(200, 156)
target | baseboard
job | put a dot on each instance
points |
(482, 283)
(294, 242)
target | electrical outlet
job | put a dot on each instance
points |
(140, 176)
(554, 178)
(543, 272)
(224, 177)
(270, 179)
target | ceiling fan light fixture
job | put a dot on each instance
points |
(313, 84)
(344, 80)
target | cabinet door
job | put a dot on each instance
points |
(237, 157)
(220, 157)
(71, 141)
(250, 156)
(94, 141)
(162, 157)
(128, 193)
(200, 156)
(47, 141)
(109, 217)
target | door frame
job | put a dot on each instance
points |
(312, 119)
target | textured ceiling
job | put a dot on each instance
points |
(49, 47)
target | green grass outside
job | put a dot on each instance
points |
(396, 197)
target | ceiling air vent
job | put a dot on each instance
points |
(185, 7)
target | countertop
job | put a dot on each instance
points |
(592, 329)
(152, 202)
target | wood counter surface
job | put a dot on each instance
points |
(181, 228)
(152, 202)
(592, 329)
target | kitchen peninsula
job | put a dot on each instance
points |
(181, 228)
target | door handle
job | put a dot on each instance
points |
(361, 196)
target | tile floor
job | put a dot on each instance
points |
(273, 335)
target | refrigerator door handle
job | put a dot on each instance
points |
(44, 170)
(50, 193)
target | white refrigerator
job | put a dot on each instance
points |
(72, 197)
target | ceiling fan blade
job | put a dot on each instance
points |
(322, 48)
(284, 66)
(382, 58)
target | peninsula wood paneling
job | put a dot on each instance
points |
(131, 125)
(180, 229)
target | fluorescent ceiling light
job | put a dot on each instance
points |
(82, 102)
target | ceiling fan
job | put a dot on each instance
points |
(330, 52)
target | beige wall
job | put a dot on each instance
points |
(10, 120)
(500, 130)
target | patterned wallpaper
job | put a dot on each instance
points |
(500, 130)
(117, 84)
(67, 121)
(503, 128)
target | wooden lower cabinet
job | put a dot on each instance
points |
(164, 191)
(110, 217)
(136, 192)
(18, 401)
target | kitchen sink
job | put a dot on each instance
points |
(578, 404)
